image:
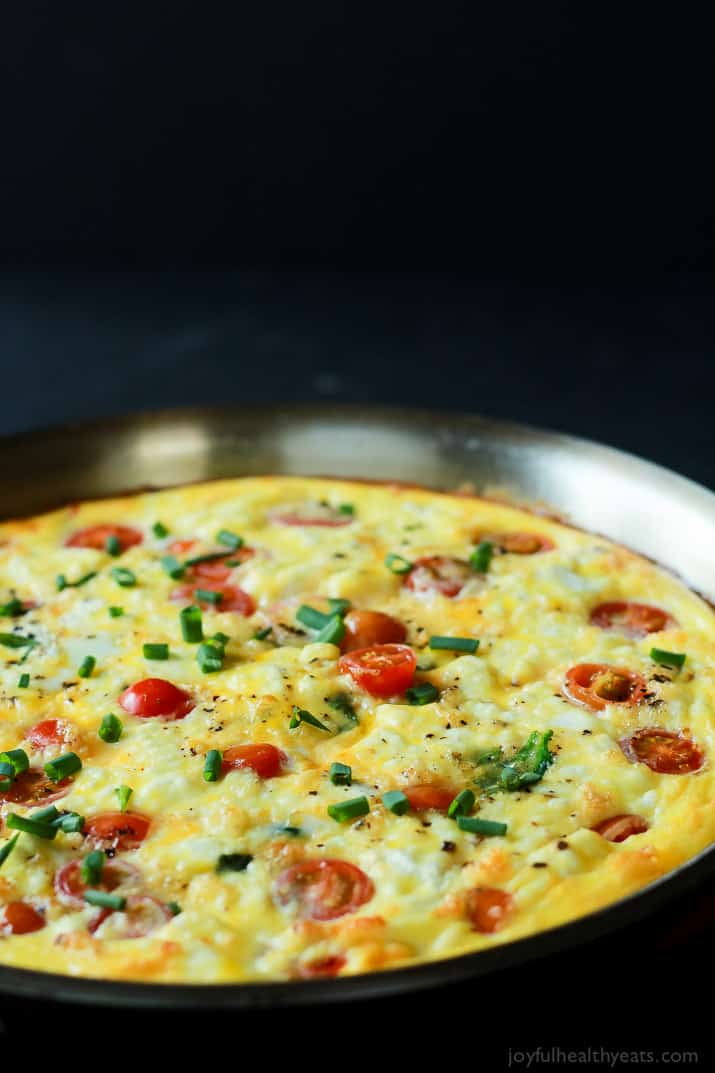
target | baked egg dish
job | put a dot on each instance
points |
(282, 728)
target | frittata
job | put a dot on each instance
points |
(285, 728)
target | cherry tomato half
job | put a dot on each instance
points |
(19, 918)
(619, 828)
(265, 760)
(142, 915)
(96, 536)
(117, 830)
(154, 697)
(635, 620)
(366, 628)
(55, 733)
(323, 889)
(313, 514)
(381, 670)
(439, 573)
(663, 751)
(487, 908)
(232, 598)
(429, 796)
(518, 543)
(595, 685)
(70, 888)
(33, 787)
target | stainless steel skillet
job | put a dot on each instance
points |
(650, 509)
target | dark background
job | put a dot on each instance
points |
(504, 208)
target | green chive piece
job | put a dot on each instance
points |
(346, 508)
(7, 775)
(159, 530)
(210, 656)
(123, 795)
(63, 766)
(30, 826)
(341, 774)
(668, 659)
(233, 862)
(49, 814)
(342, 703)
(481, 557)
(23, 681)
(174, 908)
(110, 729)
(339, 606)
(8, 848)
(345, 811)
(462, 804)
(210, 558)
(424, 693)
(86, 667)
(18, 760)
(263, 635)
(220, 638)
(475, 826)
(116, 612)
(105, 900)
(191, 626)
(112, 546)
(212, 765)
(397, 563)
(91, 867)
(171, 566)
(229, 539)
(69, 822)
(332, 632)
(308, 616)
(156, 651)
(208, 596)
(124, 577)
(62, 583)
(301, 716)
(12, 608)
(454, 644)
(286, 829)
(16, 640)
(396, 802)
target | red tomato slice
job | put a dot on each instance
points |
(323, 889)
(232, 598)
(518, 543)
(117, 830)
(596, 685)
(321, 967)
(429, 796)
(663, 751)
(265, 760)
(56, 733)
(636, 620)
(381, 670)
(439, 573)
(366, 628)
(213, 569)
(619, 828)
(96, 536)
(19, 918)
(320, 514)
(142, 915)
(156, 697)
(487, 908)
(115, 873)
(33, 787)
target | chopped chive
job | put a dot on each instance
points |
(233, 862)
(332, 632)
(339, 606)
(424, 693)
(341, 774)
(209, 558)
(171, 566)
(308, 616)
(105, 900)
(208, 596)
(112, 546)
(110, 729)
(212, 765)
(229, 539)
(32, 645)
(156, 651)
(462, 804)
(116, 612)
(301, 716)
(668, 659)
(23, 681)
(69, 822)
(92, 866)
(7, 775)
(344, 811)
(174, 908)
(49, 814)
(396, 802)
(262, 635)
(476, 826)
(220, 638)
(210, 656)
(86, 667)
(341, 703)
(123, 795)
(454, 644)
(481, 557)
(30, 826)
(124, 577)
(62, 583)
(8, 848)
(12, 608)
(16, 640)
(159, 530)
(397, 563)
(17, 758)
(191, 626)
(287, 829)
(346, 508)
(63, 766)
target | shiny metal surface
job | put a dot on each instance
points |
(652, 510)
